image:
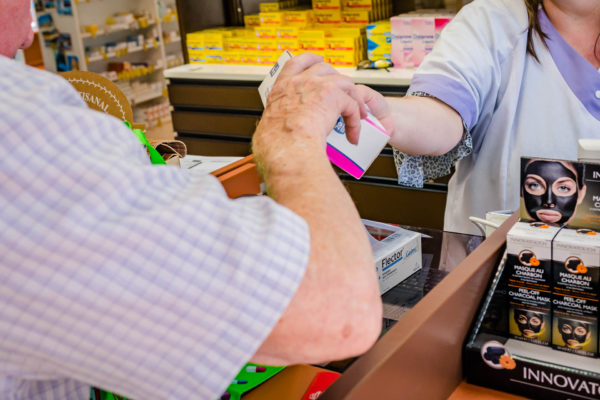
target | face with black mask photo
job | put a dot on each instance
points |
(551, 190)
(574, 333)
(530, 323)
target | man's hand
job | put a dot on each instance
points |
(303, 107)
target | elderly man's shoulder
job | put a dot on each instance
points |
(20, 82)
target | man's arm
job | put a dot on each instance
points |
(336, 312)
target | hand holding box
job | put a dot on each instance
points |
(353, 159)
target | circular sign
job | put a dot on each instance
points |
(100, 93)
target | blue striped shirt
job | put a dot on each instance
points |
(143, 280)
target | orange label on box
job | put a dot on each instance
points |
(326, 4)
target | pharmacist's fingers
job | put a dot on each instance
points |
(299, 64)
(374, 100)
(351, 114)
(344, 83)
(378, 106)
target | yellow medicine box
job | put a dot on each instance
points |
(359, 18)
(326, 5)
(197, 57)
(214, 41)
(357, 4)
(312, 40)
(251, 20)
(235, 44)
(249, 58)
(195, 40)
(292, 45)
(251, 44)
(299, 18)
(267, 45)
(379, 28)
(336, 42)
(328, 17)
(272, 19)
(269, 7)
(340, 58)
(214, 56)
(267, 59)
(266, 32)
(288, 32)
(230, 57)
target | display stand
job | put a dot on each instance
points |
(420, 357)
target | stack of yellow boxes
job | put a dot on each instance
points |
(334, 29)
(351, 12)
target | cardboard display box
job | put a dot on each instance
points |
(493, 360)
(545, 291)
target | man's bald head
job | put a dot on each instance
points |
(15, 26)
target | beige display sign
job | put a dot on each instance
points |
(100, 93)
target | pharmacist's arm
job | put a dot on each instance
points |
(336, 312)
(418, 125)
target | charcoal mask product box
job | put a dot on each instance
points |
(529, 279)
(494, 360)
(575, 272)
(560, 192)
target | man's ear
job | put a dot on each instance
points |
(581, 194)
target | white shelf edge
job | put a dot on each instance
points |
(252, 73)
(102, 32)
(114, 54)
(146, 97)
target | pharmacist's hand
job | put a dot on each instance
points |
(308, 98)
(379, 107)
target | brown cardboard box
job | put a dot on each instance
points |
(291, 383)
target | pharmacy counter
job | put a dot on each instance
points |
(216, 109)
(427, 318)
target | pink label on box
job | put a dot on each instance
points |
(423, 38)
(402, 42)
(341, 160)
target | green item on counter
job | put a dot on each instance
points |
(249, 377)
(155, 156)
(246, 380)
(98, 394)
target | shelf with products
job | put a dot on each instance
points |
(128, 71)
(90, 32)
(113, 54)
(170, 16)
(120, 39)
(153, 114)
(119, 50)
